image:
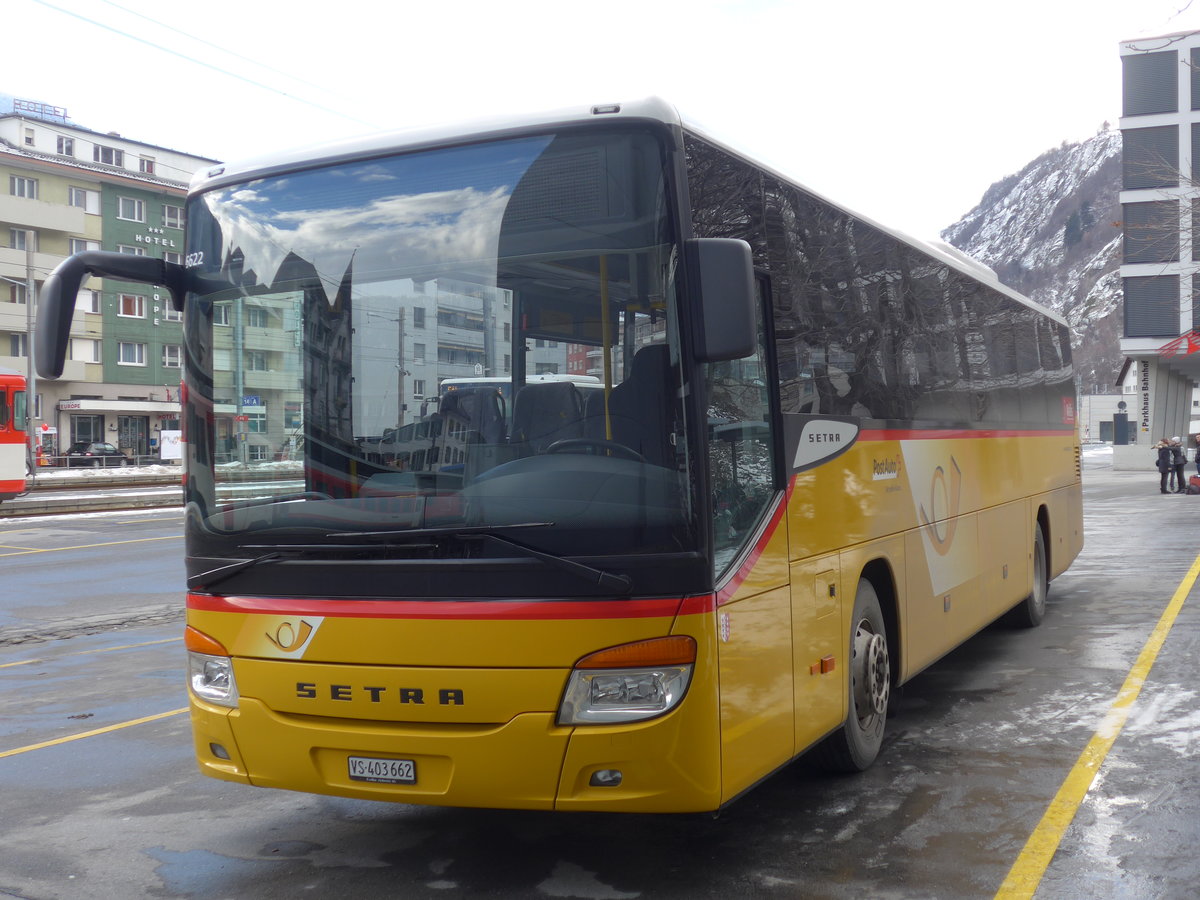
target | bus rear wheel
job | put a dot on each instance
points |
(1030, 612)
(856, 744)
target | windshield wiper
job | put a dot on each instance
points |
(606, 580)
(285, 551)
(220, 573)
(447, 530)
(415, 539)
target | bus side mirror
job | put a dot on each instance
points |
(56, 303)
(720, 276)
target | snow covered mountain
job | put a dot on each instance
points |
(1053, 232)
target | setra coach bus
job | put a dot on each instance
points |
(818, 456)
(14, 447)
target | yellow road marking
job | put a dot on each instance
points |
(25, 662)
(169, 537)
(86, 734)
(1027, 872)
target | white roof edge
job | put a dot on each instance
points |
(1127, 47)
(366, 145)
(650, 108)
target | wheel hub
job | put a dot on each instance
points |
(872, 682)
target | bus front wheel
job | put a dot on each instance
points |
(856, 744)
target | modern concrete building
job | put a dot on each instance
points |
(65, 188)
(1160, 198)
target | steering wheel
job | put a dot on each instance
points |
(572, 445)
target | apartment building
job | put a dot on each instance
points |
(1160, 200)
(65, 188)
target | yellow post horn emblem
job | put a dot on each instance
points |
(288, 638)
(953, 497)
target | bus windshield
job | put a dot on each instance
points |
(469, 340)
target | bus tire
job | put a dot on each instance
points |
(854, 746)
(1030, 611)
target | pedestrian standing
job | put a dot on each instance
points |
(1179, 463)
(1163, 461)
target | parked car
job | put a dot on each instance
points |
(95, 453)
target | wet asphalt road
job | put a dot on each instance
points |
(977, 751)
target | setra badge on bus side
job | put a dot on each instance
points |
(820, 439)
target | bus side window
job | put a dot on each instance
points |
(741, 451)
(3, 408)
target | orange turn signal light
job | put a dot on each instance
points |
(199, 642)
(676, 650)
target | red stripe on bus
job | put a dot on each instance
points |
(941, 434)
(456, 609)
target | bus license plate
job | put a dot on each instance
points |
(382, 771)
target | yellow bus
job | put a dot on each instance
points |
(820, 456)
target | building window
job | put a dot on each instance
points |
(132, 306)
(170, 313)
(18, 344)
(171, 356)
(131, 210)
(19, 186)
(30, 139)
(418, 317)
(1151, 231)
(131, 250)
(173, 216)
(109, 156)
(172, 257)
(16, 293)
(1152, 306)
(418, 354)
(418, 388)
(256, 360)
(146, 165)
(221, 315)
(1150, 157)
(88, 201)
(66, 146)
(259, 453)
(256, 317)
(131, 354)
(1150, 83)
(85, 350)
(88, 301)
(18, 239)
(256, 422)
(80, 245)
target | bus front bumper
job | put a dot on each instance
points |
(525, 763)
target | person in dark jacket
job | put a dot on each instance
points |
(1165, 464)
(1179, 463)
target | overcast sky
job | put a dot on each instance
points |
(904, 110)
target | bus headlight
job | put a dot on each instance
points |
(210, 670)
(211, 678)
(629, 683)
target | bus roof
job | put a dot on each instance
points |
(369, 146)
(651, 109)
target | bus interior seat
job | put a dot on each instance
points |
(544, 413)
(593, 415)
(479, 410)
(639, 407)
